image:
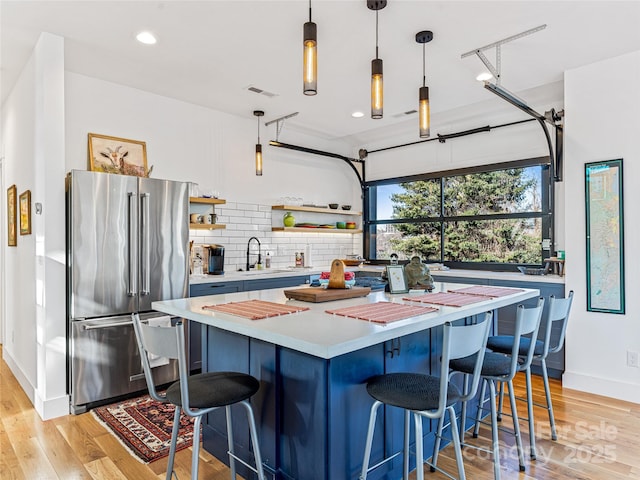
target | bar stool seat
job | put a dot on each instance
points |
(494, 364)
(504, 343)
(411, 391)
(215, 389)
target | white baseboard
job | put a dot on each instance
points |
(629, 392)
(22, 379)
(47, 409)
(53, 407)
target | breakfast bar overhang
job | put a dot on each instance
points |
(312, 407)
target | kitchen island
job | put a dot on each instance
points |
(312, 407)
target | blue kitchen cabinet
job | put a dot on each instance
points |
(215, 288)
(194, 329)
(280, 282)
(305, 399)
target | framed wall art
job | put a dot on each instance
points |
(397, 279)
(117, 155)
(12, 235)
(25, 213)
(605, 237)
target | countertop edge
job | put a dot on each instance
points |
(374, 269)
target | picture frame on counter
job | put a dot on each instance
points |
(397, 279)
(12, 235)
(25, 213)
(117, 155)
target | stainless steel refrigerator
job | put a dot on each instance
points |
(127, 246)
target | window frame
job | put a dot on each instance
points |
(546, 214)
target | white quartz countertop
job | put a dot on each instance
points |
(320, 334)
(374, 269)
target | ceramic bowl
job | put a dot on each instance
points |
(346, 207)
(341, 225)
(351, 225)
(333, 206)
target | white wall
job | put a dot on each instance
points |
(32, 133)
(18, 137)
(602, 104)
(192, 143)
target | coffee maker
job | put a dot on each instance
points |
(215, 259)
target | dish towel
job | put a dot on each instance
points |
(156, 360)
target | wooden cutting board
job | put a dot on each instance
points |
(319, 294)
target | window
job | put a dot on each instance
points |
(483, 217)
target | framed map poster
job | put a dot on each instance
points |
(605, 237)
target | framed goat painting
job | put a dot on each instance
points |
(117, 155)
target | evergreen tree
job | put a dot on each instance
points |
(506, 240)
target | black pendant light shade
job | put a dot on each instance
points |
(310, 57)
(377, 90)
(424, 109)
(424, 112)
(258, 113)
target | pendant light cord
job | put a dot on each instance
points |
(376, 34)
(309, 11)
(424, 77)
(258, 129)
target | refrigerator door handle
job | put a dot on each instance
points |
(146, 243)
(97, 326)
(132, 287)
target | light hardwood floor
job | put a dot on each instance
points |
(598, 438)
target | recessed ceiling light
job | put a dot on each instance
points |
(484, 76)
(147, 38)
(357, 114)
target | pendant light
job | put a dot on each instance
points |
(258, 113)
(423, 94)
(377, 99)
(310, 57)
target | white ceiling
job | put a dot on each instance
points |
(209, 52)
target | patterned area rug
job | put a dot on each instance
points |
(143, 426)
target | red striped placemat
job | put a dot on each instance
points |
(255, 309)
(448, 299)
(382, 312)
(488, 291)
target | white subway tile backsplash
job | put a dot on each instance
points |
(239, 220)
(245, 220)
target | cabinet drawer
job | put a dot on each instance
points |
(282, 282)
(202, 289)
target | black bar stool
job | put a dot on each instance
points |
(428, 396)
(501, 368)
(197, 395)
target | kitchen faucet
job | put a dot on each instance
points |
(259, 256)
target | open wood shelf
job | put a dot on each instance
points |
(298, 208)
(209, 201)
(206, 226)
(315, 230)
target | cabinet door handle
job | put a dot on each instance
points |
(395, 348)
